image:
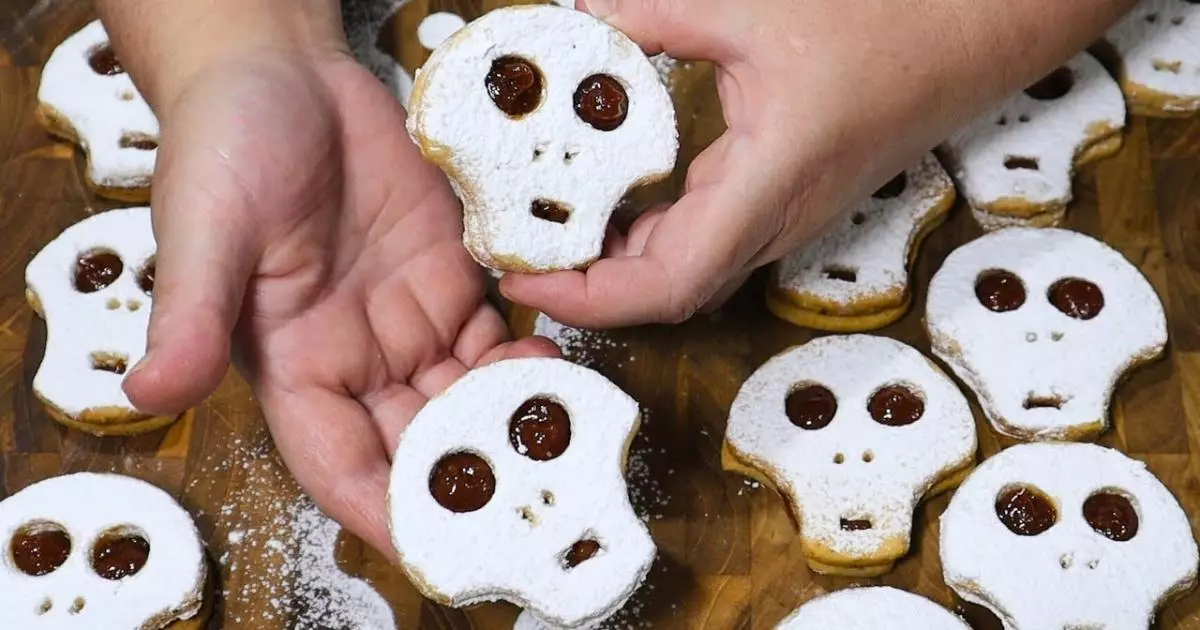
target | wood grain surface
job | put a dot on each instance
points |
(729, 557)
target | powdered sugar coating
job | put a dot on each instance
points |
(871, 608)
(1036, 350)
(905, 461)
(500, 165)
(101, 109)
(495, 552)
(87, 505)
(1052, 132)
(1159, 43)
(1069, 576)
(112, 320)
(873, 240)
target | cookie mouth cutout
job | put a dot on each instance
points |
(859, 524)
(1045, 401)
(552, 211)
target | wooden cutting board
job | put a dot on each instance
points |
(729, 557)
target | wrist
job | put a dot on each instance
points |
(165, 44)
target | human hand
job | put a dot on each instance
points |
(288, 200)
(825, 101)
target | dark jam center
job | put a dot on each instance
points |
(515, 85)
(145, 279)
(540, 429)
(1077, 298)
(116, 557)
(462, 482)
(97, 270)
(1111, 515)
(104, 61)
(601, 101)
(896, 406)
(1025, 511)
(40, 552)
(811, 407)
(1000, 291)
(581, 552)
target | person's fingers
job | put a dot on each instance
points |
(333, 449)
(522, 348)
(482, 332)
(205, 257)
(725, 292)
(685, 29)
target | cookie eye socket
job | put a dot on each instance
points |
(999, 291)
(1053, 86)
(515, 85)
(602, 102)
(896, 405)
(96, 269)
(104, 61)
(120, 552)
(1076, 298)
(893, 188)
(1025, 510)
(145, 276)
(810, 406)
(540, 429)
(462, 482)
(39, 548)
(1112, 515)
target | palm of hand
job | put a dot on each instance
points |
(361, 301)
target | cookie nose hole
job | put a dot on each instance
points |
(583, 550)
(1021, 163)
(1033, 401)
(569, 156)
(1162, 65)
(527, 515)
(842, 274)
(855, 524)
(45, 606)
(109, 362)
(77, 606)
(1065, 561)
(547, 498)
(839, 459)
(868, 456)
(133, 305)
(551, 211)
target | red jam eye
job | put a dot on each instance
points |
(1000, 291)
(811, 407)
(1111, 515)
(96, 269)
(462, 482)
(39, 548)
(1025, 510)
(896, 406)
(540, 429)
(120, 553)
(515, 85)
(601, 101)
(1076, 298)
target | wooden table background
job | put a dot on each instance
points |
(729, 557)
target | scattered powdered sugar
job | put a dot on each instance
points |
(584, 347)
(279, 550)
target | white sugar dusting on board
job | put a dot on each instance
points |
(279, 551)
(584, 347)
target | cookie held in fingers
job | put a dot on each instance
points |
(1067, 536)
(87, 98)
(856, 276)
(511, 486)
(1042, 324)
(852, 431)
(1158, 44)
(93, 285)
(101, 551)
(870, 608)
(1014, 164)
(543, 118)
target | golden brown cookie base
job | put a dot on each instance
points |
(822, 559)
(873, 312)
(58, 126)
(1144, 101)
(207, 603)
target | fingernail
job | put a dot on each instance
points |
(138, 366)
(601, 8)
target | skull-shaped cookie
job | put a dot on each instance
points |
(870, 609)
(855, 277)
(86, 97)
(1159, 45)
(1042, 324)
(1014, 164)
(93, 285)
(543, 118)
(853, 431)
(98, 551)
(510, 485)
(1067, 536)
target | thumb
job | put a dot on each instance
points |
(205, 257)
(685, 29)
